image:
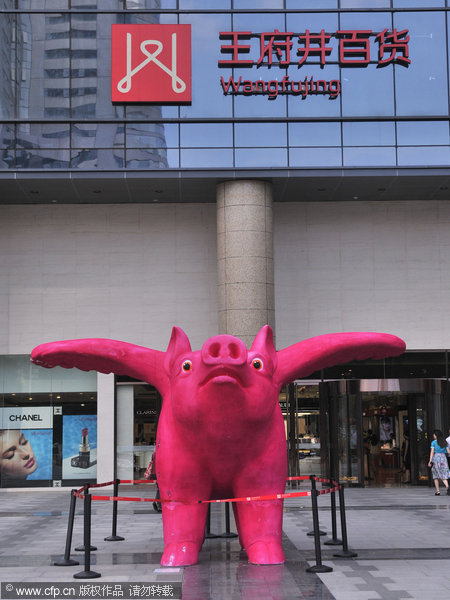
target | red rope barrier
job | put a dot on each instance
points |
(307, 493)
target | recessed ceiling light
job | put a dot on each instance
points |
(159, 191)
(355, 197)
(443, 188)
(96, 191)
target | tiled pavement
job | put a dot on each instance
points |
(401, 536)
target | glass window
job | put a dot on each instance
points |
(375, 22)
(313, 22)
(369, 157)
(136, 4)
(423, 155)
(44, 86)
(36, 4)
(432, 133)
(266, 98)
(260, 134)
(261, 157)
(206, 158)
(315, 157)
(315, 99)
(314, 134)
(97, 135)
(150, 19)
(140, 111)
(368, 92)
(258, 4)
(379, 133)
(200, 4)
(422, 88)
(204, 135)
(366, 3)
(43, 159)
(207, 99)
(7, 159)
(422, 3)
(256, 23)
(107, 159)
(152, 135)
(14, 61)
(152, 158)
(42, 135)
(7, 135)
(312, 3)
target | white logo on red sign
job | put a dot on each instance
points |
(151, 63)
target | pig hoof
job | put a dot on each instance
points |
(265, 553)
(180, 554)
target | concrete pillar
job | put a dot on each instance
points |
(245, 258)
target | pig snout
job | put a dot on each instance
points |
(224, 350)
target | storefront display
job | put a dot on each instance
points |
(48, 426)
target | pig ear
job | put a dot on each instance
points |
(263, 343)
(179, 344)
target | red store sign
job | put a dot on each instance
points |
(277, 48)
(151, 63)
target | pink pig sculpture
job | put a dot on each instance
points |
(221, 432)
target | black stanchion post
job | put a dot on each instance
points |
(82, 548)
(313, 488)
(227, 533)
(318, 567)
(87, 573)
(334, 539)
(345, 552)
(208, 534)
(67, 561)
(114, 537)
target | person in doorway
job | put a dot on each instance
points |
(406, 459)
(438, 461)
(17, 459)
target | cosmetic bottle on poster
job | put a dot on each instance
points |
(84, 450)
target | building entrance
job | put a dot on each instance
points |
(369, 432)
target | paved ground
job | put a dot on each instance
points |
(401, 536)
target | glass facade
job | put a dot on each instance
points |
(338, 84)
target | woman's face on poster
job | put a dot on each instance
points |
(17, 459)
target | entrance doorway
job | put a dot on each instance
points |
(377, 432)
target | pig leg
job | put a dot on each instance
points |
(260, 528)
(184, 532)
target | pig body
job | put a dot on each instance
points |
(221, 435)
(221, 432)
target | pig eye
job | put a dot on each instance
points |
(186, 366)
(257, 363)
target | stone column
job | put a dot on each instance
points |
(245, 258)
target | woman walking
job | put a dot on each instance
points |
(438, 461)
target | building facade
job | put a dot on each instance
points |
(304, 183)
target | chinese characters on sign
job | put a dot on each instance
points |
(277, 48)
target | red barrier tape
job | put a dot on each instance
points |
(307, 493)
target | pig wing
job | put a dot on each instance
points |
(316, 353)
(106, 356)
